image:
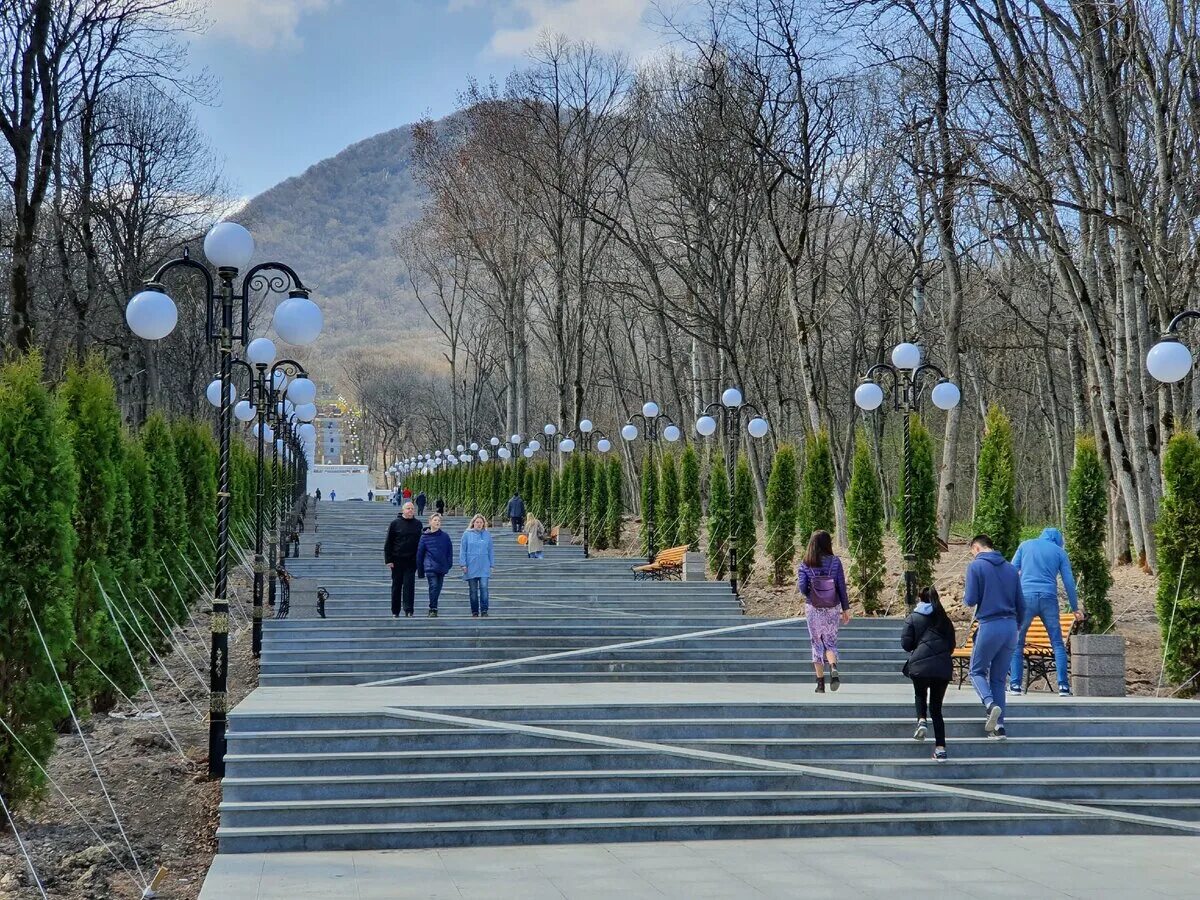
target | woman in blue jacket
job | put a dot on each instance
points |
(477, 558)
(435, 556)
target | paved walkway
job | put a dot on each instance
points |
(1130, 868)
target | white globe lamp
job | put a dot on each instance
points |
(604, 445)
(649, 409)
(868, 396)
(629, 432)
(213, 392)
(1169, 361)
(945, 395)
(151, 315)
(672, 433)
(706, 426)
(302, 391)
(758, 427)
(298, 320)
(906, 356)
(261, 351)
(243, 411)
(229, 246)
(731, 397)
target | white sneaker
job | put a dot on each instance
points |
(994, 712)
(922, 730)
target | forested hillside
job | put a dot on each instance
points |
(335, 224)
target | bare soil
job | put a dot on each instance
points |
(165, 801)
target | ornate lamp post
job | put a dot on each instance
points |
(651, 419)
(584, 436)
(732, 408)
(152, 315)
(1170, 361)
(908, 375)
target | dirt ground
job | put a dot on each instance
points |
(167, 805)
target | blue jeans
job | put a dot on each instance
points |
(994, 645)
(479, 594)
(1045, 607)
(537, 554)
(435, 588)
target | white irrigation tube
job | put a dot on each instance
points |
(20, 843)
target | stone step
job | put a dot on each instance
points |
(676, 804)
(558, 831)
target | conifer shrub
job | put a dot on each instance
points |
(666, 518)
(996, 483)
(718, 519)
(38, 485)
(816, 492)
(781, 513)
(1086, 524)
(924, 491)
(615, 512)
(864, 527)
(1178, 558)
(742, 519)
(649, 497)
(598, 502)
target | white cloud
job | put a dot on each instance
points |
(609, 24)
(261, 24)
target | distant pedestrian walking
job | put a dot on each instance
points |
(535, 538)
(332, 496)
(994, 590)
(440, 506)
(406, 495)
(435, 556)
(822, 581)
(929, 638)
(420, 500)
(1040, 563)
(516, 513)
(370, 496)
(477, 557)
(318, 494)
(400, 554)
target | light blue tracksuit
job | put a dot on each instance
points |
(477, 555)
(1041, 562)
(994, 589)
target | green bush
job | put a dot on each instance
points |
(649, 530)
(864, 526)
(38, 484)
(199, 459)
(666, 518)
(597, 502)
(616, 506)
(743, 519)
(545, 487)
(995, 496)
(781, 514)
(690, 508)
(1087, 518)
(1179, 559)
(167, 504)
(816, 492)
(924, 491)
(90, 405)
(718, 519)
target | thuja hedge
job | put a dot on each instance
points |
(89, 513)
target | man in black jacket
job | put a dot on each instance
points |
(400, 554)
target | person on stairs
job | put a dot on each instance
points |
(535, 538)
(440, 505)
(1041, 562)
(929, 639)
(822, 581)
(420, 500)
(477, 558)
(400, 554)
(994, 591)
(516, 513)
(435, 557)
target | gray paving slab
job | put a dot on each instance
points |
(972, 867)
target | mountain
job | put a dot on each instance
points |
(334, 224)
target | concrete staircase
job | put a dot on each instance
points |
(375, 733)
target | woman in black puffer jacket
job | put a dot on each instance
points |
(929, 638)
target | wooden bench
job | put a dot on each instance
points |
(1038, 656)
(961, 657)
(668, 564)
(1039, 653)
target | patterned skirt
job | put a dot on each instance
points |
(823, 627)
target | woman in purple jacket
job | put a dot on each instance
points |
(827, 606)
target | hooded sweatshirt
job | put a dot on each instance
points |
(994, 588)
(1041, 561)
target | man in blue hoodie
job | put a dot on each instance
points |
(1041, 562)
(994, 590)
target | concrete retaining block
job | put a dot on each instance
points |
(1098, 665)
(694, 568)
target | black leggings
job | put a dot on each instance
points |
(930, 694)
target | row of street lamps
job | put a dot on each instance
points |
(279, 395)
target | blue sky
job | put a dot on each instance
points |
(300, 80)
